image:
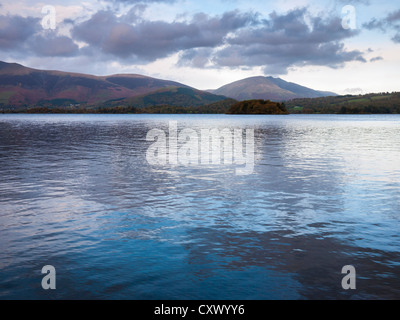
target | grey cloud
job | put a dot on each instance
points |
(197, 58)
(292, 28)
(150, 40)
(276, 59)
(375, 24)
(26, 35)
(277, 43)
(233, 39)
(285, 41)
(53, 46)
(117, 3)
(393, 17)
(135, 13)
(364, 2)
(141, 1)
(376, 59)
(389, 23)
(354, 91)
(396, 38)
(95, 30)
(16, 30)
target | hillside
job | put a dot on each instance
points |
(26, 89)
(267, 88)
(373, 103)
(175, 96)
(22, 87)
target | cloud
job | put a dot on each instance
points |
(376, 59)
(234, 39)
(26, 35)
(364, 2)
(288, 40)
(16, 30)
(393, 17)
(152, 40)
(142, 1)
(375, 24)
(135, 13)
(396, 38)
(354, 91)
(198, 58)
(389, 23)
(53, 46)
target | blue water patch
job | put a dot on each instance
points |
(78, 192)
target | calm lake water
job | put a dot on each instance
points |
(77, 193)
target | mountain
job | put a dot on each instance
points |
(267, 88)
(22, 87)
(176, 96)
(172, 97)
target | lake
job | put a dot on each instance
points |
(79, 193)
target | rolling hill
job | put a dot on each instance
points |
(22, 87)
(267, 88)
(175, 96)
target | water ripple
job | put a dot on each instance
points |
(77, 192)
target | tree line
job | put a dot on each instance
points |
(373, 103)
(376, 103)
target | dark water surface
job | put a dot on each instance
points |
(77, 192)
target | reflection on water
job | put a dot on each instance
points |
(76, 192)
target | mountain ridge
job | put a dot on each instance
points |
(23, 87)
(268, 88)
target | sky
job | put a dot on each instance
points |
(344, 46)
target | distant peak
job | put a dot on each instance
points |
(6, 67)
(6, 64)
(267, 88)
(3, 63)
(273, 78)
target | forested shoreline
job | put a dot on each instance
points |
(374, 103)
